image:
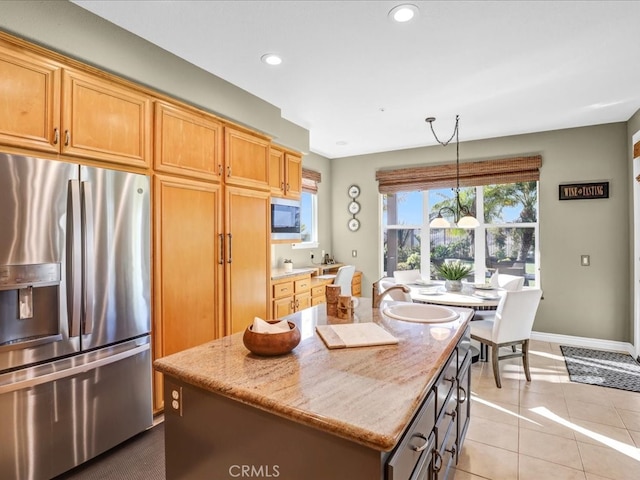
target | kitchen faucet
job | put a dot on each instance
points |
(376, 297)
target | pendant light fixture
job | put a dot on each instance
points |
(462, 216)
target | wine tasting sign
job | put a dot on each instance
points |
(584, 191)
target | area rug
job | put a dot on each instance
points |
(606, 369)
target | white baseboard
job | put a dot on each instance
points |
(585, 342)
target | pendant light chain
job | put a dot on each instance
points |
(461, 212)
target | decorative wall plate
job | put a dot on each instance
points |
(354, 191)
(354, 224)
(354, 207)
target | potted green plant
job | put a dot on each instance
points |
(453, 273)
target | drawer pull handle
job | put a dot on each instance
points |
(450, 379)
(437, 461)
(462, 398)
(452, 413)
(452, 451)
(423, 446)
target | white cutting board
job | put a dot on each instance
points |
(347, 335)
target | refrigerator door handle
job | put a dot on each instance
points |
(88, 257)
(70, 372)
(74, 258)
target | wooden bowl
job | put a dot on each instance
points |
(271, 344)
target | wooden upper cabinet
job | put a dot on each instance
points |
(29, 101)
(104, 120)
(294, 174)
(285, 173)
(246, 159)
(187, 143)
(276, 171)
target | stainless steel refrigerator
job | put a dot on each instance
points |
(75, 360)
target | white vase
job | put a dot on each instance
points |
(453, 285)
(288, 267)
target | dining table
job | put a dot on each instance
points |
(475, 296)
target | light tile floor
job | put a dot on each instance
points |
(550, 428)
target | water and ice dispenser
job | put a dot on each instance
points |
(29, 305)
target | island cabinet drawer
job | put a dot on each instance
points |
(446, 384)
(284, 289)
(415, 449)
(303, 285)
(446, 440)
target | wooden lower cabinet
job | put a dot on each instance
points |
(247, 257)
(290, 295)
(318, 288)
(188, 286)
(356, 284)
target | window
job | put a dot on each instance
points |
(309, 218)
(309, 209)
(505, 240)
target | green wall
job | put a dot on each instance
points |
(581, 301)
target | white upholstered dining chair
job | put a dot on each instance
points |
(407, 276)
(509, 326)
(507, 282)
(344, 276)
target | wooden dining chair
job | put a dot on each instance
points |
(509, 326)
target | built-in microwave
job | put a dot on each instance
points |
(285, 219)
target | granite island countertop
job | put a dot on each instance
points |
(367, 395)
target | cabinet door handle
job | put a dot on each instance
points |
(221, 237)
(452, 413)
(56, 136)
(288, 188)
(230, 237)
(228, 171)
(67, 138)
(219, 169)
(423, 446)
(462, 398)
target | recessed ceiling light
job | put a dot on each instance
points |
(271, 59)
(403, 13)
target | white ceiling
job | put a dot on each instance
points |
(361, 83)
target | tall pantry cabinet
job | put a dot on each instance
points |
(212, 251)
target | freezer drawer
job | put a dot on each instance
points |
(59, 415)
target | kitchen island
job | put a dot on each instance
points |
(356, 413)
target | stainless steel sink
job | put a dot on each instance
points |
(420, 313)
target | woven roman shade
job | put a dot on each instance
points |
(486, 172)
(310, 180)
